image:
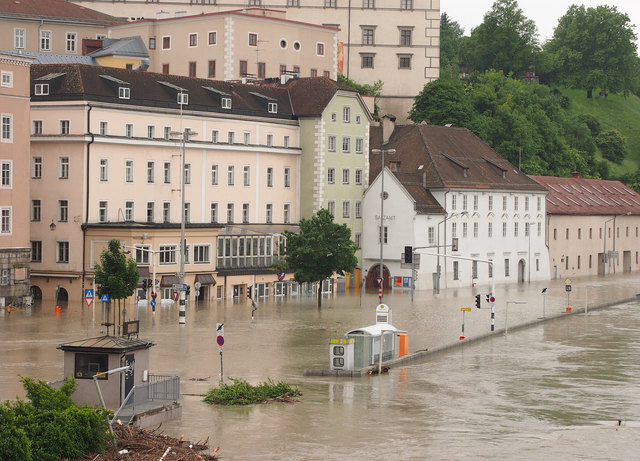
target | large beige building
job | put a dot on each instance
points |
(253, 43)
(397, 42)
(14, 169)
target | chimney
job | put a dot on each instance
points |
(575, 174)
(388, 125)
(424, 179)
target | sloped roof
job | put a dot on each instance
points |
(426, 203)
(582, 196)
(127, 46)
(310, 96)
(53, 58)
(59, 10)
(114, 344)
(451, 157)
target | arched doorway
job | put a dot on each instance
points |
(62, 295)
(374, 273)
(521, 274)
(35, 292)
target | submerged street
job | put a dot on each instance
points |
(555, 389)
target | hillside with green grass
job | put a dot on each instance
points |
(614, 112)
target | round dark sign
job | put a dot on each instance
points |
(220, 340)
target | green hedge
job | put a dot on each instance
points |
(243, 393)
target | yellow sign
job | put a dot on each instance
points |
(567, 282)
(465, 309)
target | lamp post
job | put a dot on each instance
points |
(382, 198)
(586, 296)
(186, 136)
(506, 314)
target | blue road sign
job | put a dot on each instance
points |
(153, 303)
(88, 293)
(105, 298)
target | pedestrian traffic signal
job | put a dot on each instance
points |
(478, 301)
(188, 290)
(454, 244)
(408, 254)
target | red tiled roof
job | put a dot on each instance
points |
(53, 9)
(426, 203)
(451, 157)
(581, 196)
(310, 96)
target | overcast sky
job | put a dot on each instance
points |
(545, 13)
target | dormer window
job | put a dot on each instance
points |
(42, 89)
(124, 92)
(226, 103)
(273, 107)
(183, 98)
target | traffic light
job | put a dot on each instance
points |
(488, 296)
(188, 290)
(408, 254)
(454, 244)
(478, 301)
(144, 284)
(149, 283)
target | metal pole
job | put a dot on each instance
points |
(493, 293)
(413, 272)
(221, 372)
(182, 316)
(153, 291)
(382, 225)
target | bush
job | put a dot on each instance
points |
(243, 393)
(51, 426)
(613, 145)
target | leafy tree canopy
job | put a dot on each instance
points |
(116, 275)
(594, 48)
(442, 101)
(321, 248)
(450, 41)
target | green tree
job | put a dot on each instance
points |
(506, 41)
(442, 101)
(116, 275)
(612, 145)
(594, 48)
(321, 248)
(450, 41)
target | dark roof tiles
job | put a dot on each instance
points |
(59, 10)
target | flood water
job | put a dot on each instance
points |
(555, 389)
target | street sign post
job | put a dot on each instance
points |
(104, 298)
(88, 296)
(220, 341)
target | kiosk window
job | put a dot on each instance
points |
(338, 362)
(338, 350)
(88, 365)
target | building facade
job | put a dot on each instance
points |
(592, 226)
(375, 36)
(14, 190)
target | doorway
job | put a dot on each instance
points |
(521, 274)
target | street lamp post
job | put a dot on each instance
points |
(382, 198)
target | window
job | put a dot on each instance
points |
(88, 365)
(285, 141)
(475, 202)
(7, 128)
(346, 114)
(193, 39)
(128, 210)
(330, 3)
(454, 202)
(45, 40)
(230, 137)
(63, 210)
(6, 79)
(166, 43)
(314, 73)
(37, 127)
(287, 177)
(151, 211)
(71, 41)
(331, 175)
(346, 208)
(515, 203)
(283, 68)
(272, 108)
(36, 251)
(253, 39)
(41, 89)
(405, 37)
(346, 144)
(384, 233)
(406, 4)
(183, 98)
(491, 269)
(128, 130)
(151, 172)
(214, 175)
(243, 68)
(464, 202)
(165, 68)
(366, 61)
(431, 235)
(215, 136)
(345, 175)
(5, 174)
(268, 213)
(214, 212)
(269, 140)
(331, 207)
(504, 203)
(211, 73)
(358, 209)
(5, 220)
(167, 254)
(566, 232)
(246, 176)
(192, 69)
(213, 37)
(464, 229)
(475, 230)
(404, 61)
(490, 202)
(368, 4)
(229, 213)
(166, 212)
(331, 143)
(580, 233)
(504, 229)
(526, 204)
(320, 49)
(358, 179)
(539, 229)
(515, 229)
(506, 267)
(358, 119)
(102, 211)
(269, 177)
(367, 35)
(334, 117)
(286, 213)
(36, 167)
(539, 205)
(62, 253)
(326, 74)
(200, 254)
(293, 2)
(36, 210)
(63, 167)
(456, 272)
(152, 43)
(166, 132)
(18, 38)
(474, 269)
(490, 229)
(104, 169)
(187, 212)
(230, 175)
(128, 170)
(104, 128)
(359, 145)
(454, 229)
(262, 70)
(245, 213)
(187, 173)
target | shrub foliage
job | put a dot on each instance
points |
(243, 393)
